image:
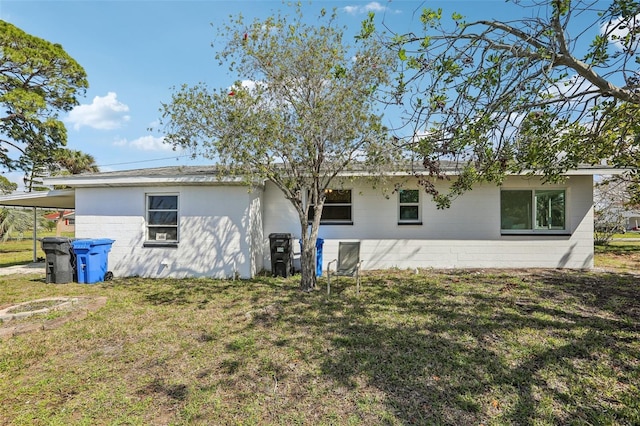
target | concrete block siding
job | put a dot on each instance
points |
(467, 235)
(220, 230)
(224, 228)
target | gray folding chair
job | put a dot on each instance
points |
(347, 264)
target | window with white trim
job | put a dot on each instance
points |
(532, 210)
(409, 206)
(162, 218)
(336, 209)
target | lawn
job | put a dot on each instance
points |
(437, 347)
(621, 256)
(18, 252)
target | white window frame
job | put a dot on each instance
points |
(533, 213)
(148, 225)
(418, 204)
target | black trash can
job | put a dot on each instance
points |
(281, 255)
(59, 259)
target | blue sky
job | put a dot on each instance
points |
(134, 52)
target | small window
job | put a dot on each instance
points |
(162, 218)
(409, 206)
(532, 210)
(337, 207)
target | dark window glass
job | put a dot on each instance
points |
(409, 196)
(515, 210)
(336, 213)
(163, 202)
(409, 213)
(337, 207)
(340, 196)
(163, 218)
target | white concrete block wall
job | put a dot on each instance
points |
(255, 230)
(218, 229)
(467, 235)
(224, 230)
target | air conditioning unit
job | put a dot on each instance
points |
(161, 236)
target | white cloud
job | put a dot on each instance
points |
(145, 143)
(150, 143)
(373, 6)
(620, 28)
(104, 113)
(247, 84)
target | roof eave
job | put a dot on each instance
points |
(54, 199)
(114, 181)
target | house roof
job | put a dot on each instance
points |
(172, 175)
(191, 175)
(56, 215)
(211, 175)
(55, 199)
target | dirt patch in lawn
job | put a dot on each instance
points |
(45, 314)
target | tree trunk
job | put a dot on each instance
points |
(308, 264)
(309, 234)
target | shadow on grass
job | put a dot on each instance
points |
(617, 248)
(458, 347)
(556, 347)
(202, 291)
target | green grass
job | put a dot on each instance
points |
(439, 347)
(20, 252)
(621, 256)
(627, 235)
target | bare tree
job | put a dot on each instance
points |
(548, 91)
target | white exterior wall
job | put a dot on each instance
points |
(467, 235)
(255, 231)
(220, 230)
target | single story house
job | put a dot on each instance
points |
(64, 220)
(186, 221)
(632, 220)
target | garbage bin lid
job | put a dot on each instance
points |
(88, 242)
(102, 241)
(276, 235)
(56, 240)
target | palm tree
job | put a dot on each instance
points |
(14, 221)
(75, 162)
(63, 162)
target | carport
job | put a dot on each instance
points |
(59, 199)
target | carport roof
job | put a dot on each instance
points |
(55, 199)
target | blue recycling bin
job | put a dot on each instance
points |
(319, 245)
(92, 259)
